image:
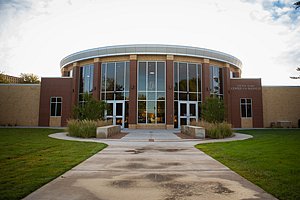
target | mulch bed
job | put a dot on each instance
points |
(118, 136)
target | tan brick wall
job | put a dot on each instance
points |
(246, 122)
(281, 103)
(19, 104)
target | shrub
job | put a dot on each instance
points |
(215, 130)
(85, 128)
(213, 110)
(91, 109)
(82, 128)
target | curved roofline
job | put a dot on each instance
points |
(150, 49)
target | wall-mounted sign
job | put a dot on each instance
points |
(246, 87)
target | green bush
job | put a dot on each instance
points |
(82, 128)
(215, 130)
(213, 110)
(85, 128)
(91, 109)
(218, 130)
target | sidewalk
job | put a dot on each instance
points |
(134, 168)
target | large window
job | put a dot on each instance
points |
(187, 86)
(246, 108)
(151, 92)
(55, 106)
(86, 81)
(115, 81)
(216, 81)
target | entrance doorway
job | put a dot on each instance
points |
(116, 112)
(187, 112)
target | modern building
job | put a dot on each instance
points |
(162, 86)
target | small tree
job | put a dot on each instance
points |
(213, 110)
(91, 109)
(296, 77)
(29, 78)
(2, 78)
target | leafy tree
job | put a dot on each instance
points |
(91, 109)
(213, 110)
(297, 5)
(2, 78)
(29, 78)
(296, 77)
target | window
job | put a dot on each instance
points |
(115, 81)
(55, 106)
(216, 81)
(86, 81)
(187, 85)
(246, 108)
(151, 92)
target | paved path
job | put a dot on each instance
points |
(134, 168)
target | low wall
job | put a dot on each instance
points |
(194, 131)
(107, 131)
(19, 104)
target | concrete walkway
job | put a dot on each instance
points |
(134, 168)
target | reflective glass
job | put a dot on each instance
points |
(119, 95)
(151, 96)
(91, 79)
(119, 109)
(192, 77)
(175, 76)
(103, 72)
(161, 96)
(182, 77)
(199, 78)
(58, 109)
(109, 96)
(182, 96)
(151, 112)
(127, 76)
(249, 110)
(109, 111)
(160, 112)
(142, 112)
(120, 70)
(52, 109)
(110, 77)
(142, 96)
(183, 109)
(192, 96)
(192, 109)
(151, 76)
(142, 76)
(160, 76)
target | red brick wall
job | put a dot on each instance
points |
(132, 115)
(246, 88)
(169, 93)
(51, 87)
(205, 81)
(96, 80)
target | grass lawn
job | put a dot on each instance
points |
(29, 159)
(271, 160)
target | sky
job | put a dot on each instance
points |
(264, 34)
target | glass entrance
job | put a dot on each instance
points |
(116, 112)
(187, 112)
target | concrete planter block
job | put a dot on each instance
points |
(107, 131)
(194, 131)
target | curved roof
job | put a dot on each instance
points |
(153, 49)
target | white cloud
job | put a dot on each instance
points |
(35, 39)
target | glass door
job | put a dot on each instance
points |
(116, 112)
(187, 112)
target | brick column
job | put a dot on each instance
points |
(205, 80)
(226, 88)
(97, 79)
(169, 92)
(75, 83)
(132, 114)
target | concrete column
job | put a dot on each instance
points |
(205, 80)
(132, 114)
(169, 92)
(97, 79)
